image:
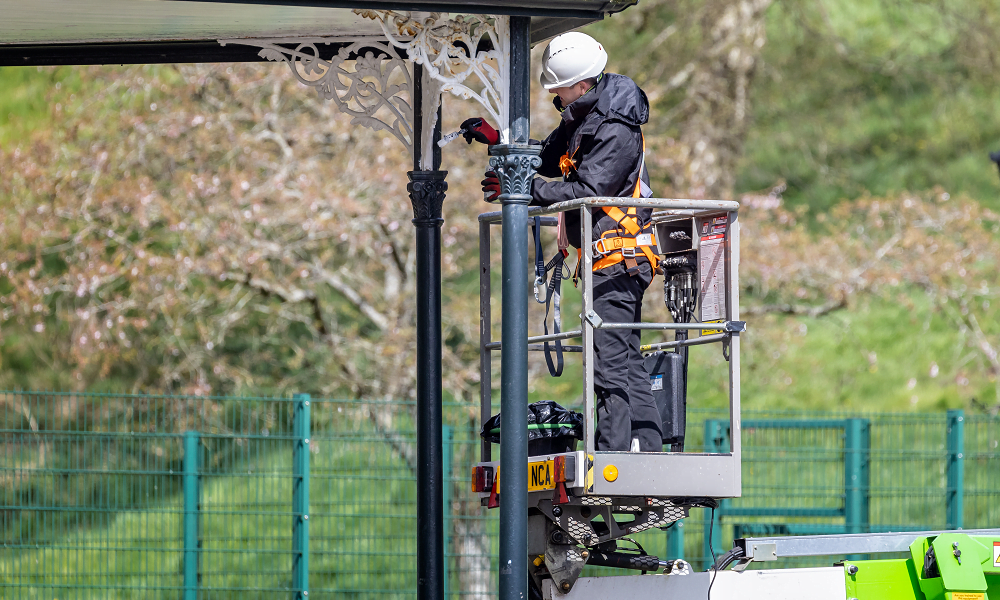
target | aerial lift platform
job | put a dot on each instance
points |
(582, 504)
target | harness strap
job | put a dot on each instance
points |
(536, 232)
(579, 262)
(552, 296)
(609, 245)
(616, 258)
(624, 221)
(616, 249)
(627, 223)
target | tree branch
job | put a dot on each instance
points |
(397, 256)
(291, 296)
(381, 420)
(984, 345)
(352, 295)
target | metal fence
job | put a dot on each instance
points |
(122, 496)
(860, 474)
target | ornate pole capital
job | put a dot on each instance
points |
(515, 166)
(427, 190)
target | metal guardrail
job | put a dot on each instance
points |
(716, 476)
(672, 206)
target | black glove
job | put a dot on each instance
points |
(491, 186)
(481, 131)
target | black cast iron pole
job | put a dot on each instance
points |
(515, 164)
(520, 85)
(427, 190)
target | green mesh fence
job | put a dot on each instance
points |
(100, 498)
(981, 487)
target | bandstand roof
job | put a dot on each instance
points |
(78, 32)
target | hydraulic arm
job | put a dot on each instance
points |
(936, 565)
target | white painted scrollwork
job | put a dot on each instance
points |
(376, 92)
(447, 49)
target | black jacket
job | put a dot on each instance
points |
(601, 131)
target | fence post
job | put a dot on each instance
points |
(716, 442)
(447, 436)
(956, 469)
(192, 510)
(300, 498)
(857, 447)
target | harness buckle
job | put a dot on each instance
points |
(628, 252)
(600, 247)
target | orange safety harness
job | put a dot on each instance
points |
(629, 239)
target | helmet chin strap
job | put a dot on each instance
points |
(557, 101)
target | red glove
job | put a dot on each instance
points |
(491, 186)
(481, 131)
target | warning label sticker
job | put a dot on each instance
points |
(656, 382)
(712, 331)
(996, 554)
(712, 272)
(968, 596)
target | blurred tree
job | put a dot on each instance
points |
(221, 236)
(696, 61)
(834, 97)
(880, 97)
(943, 246)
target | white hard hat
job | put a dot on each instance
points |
(570, 58)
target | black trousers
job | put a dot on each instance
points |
(626, 409)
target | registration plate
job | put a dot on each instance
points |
(541, 476)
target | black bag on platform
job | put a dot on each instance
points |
(551, 428)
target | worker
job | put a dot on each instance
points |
(597, 150)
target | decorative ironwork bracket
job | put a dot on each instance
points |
(378, 91)
(448, 51)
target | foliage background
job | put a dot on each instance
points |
(218, 229)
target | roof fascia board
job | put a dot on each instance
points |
(513, 8)
(129, 53)
(544, 28)
(196, 51)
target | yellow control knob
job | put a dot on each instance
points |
(610, 473)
